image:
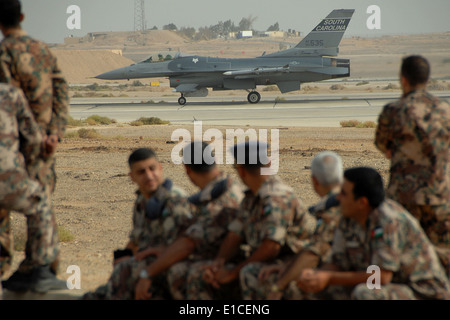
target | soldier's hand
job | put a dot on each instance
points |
(313, 281)
(50, 144)
(209, 276)
(142, 289)
(224, 275)
(155, 251)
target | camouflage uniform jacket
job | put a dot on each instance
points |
(159, 220)
(327, 213)
(276, 214)
(28, 64)
(393, 240)
(19, 133)
(416, 129)
(216, 205)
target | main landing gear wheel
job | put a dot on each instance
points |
(253, 97)
(182, 101)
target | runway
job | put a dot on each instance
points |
(303, 110)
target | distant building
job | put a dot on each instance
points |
(274, 34)
(245, 34)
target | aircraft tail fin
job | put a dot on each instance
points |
(328, 33)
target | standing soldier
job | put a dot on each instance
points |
(19, 134)
(28, 64)
(414, 132)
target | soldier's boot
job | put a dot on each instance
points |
(43, 280)
(18, 282)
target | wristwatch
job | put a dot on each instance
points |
(275, 288)
(144, 275)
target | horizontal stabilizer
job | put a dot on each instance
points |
(331, 70)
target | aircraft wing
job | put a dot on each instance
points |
(330, 70)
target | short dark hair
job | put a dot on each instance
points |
(10, 11)
(140, 155)
(367, 182)
(198, 163)
(252, 155)
(415, 69)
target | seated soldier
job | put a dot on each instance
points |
(215, 206)
(273, 222)
(326, 176)
(376, 234)
(161, 211)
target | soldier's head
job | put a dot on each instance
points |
(414, 72)
(250, 157)
(199, 162)
(10, 14)
(361, 192)
(145, 170)
(326, 172)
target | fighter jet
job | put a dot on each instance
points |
(309, 61)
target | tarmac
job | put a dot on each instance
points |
(290, 110)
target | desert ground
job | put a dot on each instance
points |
(94, 195)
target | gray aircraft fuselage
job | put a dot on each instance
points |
(311, 60)
(209, 71)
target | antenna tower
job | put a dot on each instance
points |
(139, 15)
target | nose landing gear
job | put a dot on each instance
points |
(182, 100)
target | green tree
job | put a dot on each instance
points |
(274, 27)
(170, 26)
(247, 23)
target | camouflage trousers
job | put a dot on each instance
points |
(122, 283)
(435, 220)
(252, 288)
(198, 289)
(176, 279)
(27, 196)
(390, 291)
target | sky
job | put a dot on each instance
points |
(47, 19)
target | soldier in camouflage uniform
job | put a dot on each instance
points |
(19, 134)
(414, 132)
(215, 206)
(378, 233)
(161, 211)
(28, 64)
(273, 222)
(326, 176)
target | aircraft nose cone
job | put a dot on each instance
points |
(111, 75)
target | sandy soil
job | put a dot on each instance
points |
(94, 195)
